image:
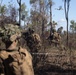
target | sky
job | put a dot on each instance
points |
(58, 16)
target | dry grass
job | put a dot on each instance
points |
(57, 62)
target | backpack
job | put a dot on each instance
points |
(17, 62)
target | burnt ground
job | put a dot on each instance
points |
(57, 62)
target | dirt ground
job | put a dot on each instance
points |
(57, 62)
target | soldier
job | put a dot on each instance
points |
(33, 40)
(56, 38)
(34, 43)
(15, 59)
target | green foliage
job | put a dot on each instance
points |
(13, 12)
(53, 23)
(23, 7)
(39, 15)
(73, 25)
(9, 30)
(2, 9)
(32, 1)
(24, 12)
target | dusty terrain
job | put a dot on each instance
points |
(57, 62)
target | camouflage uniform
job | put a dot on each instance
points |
(34, 43)
(14, 59)
(33, 40)
(56, 38)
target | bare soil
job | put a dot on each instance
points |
(57, 62)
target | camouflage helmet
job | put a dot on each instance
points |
(10, 32)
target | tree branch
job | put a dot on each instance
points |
(18, 1)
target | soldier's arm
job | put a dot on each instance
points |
(3, 55)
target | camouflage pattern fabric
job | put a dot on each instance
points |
(9, 30)
(17, 64)
(2, 44)
(15, 59)
(36, 41)
(33, 40)
(56, 38)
